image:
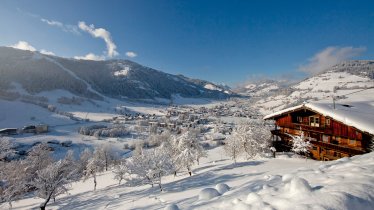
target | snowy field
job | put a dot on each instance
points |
(264, 183)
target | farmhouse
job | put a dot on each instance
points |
(335, 131)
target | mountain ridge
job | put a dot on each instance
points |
(117, 78)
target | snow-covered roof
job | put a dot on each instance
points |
(357, 114)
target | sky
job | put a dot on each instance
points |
(227, 42)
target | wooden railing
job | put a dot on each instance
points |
(304, 127)
(341, 148)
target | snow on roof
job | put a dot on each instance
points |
(357, 114)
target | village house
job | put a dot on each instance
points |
(335, 131)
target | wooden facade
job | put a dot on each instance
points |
(331, 139)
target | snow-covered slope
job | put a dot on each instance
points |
(267, 183)
(121, 79)
(341, 81)
(261, 88)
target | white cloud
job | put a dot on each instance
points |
(100, 33)
(329, 57)
(46, 52)
(90, 56)
(22, 45)
(52, 22)
(131, 54)
(65, 27)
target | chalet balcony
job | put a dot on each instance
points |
(341, 148)
(307, 127)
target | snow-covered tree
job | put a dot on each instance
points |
(106, 153)
(150, 166)
(169, 147)
(189, 151)
(301, 145)
(94, 165)
(82, 162)
(233, 147)
(38, 158)
(6, 148)
(14, 181)
(254, 137)
(37, 172)
(121, 171)
(54, 179)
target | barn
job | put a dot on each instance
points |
(335, 130)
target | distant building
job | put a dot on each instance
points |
(335, 132)
(41, 128)
(8, 131)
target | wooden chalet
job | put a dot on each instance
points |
(334, 131)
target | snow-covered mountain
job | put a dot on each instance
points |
(346, 81)
(261, 88)
(121, 79)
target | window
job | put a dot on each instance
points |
(327, 122)
(314, 121)
(299, 119)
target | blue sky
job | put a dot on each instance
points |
(221, 41)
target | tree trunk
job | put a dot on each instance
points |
(95, 182)
(106, 162)
(43, 205)
(159, 184)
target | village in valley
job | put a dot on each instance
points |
(184, 105)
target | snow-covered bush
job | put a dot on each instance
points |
(208, 193)
(90, 130)
(301, 145)
(222, 188)
(171, 207)
(104, 131)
